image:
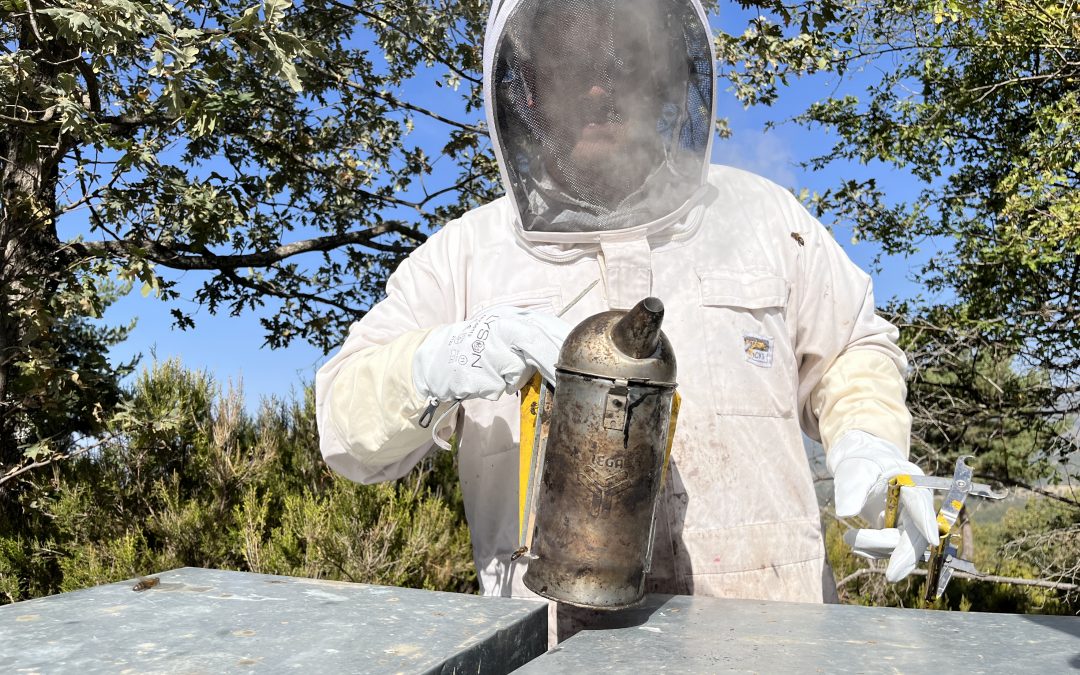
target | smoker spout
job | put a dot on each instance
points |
(637, 334)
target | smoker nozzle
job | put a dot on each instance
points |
(637, 334)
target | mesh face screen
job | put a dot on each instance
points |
(603, 110)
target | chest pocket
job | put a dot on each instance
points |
(751, 359)
(543, 299)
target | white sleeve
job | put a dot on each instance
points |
(851, 370)
(366, 406)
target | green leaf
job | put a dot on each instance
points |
(275, 10)
(247, 20)
(67, 82)
(37, 451)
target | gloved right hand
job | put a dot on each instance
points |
(491, 354)
(862, 465)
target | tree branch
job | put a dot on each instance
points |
(206, 260)
(269, 289)
(989, 578)
(91, 83)
(16, 471)
(1011, 482)
(409, 36)
(397, 103)
(326, 171)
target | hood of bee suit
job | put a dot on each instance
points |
(601, 111)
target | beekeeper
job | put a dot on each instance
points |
(601, 117)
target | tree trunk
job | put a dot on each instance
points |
(29, 246)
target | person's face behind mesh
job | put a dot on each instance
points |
(598, 93)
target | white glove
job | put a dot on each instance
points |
(491, 354)
(862, 465)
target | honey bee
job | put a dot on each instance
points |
(798, 238)
(145, 583)
(518, 553)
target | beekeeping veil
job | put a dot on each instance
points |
(601, 110)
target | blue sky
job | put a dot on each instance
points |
(231, 348)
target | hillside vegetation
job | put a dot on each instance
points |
(184, 477)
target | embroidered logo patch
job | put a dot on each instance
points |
(759, 350)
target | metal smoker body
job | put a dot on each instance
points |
(603, 465)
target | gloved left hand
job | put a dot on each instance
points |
(862, 465)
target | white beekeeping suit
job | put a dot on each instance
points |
(601, 116)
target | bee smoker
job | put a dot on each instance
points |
(603, 461)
